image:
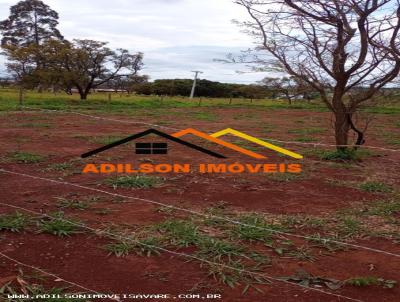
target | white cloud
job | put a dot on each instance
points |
(175, 35)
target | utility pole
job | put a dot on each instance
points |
(196, 73)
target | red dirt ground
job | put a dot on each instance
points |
(81, 258)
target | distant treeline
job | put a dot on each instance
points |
(204, 88)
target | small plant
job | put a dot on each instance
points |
(26, 157)
(15, 222)
(58, 225)
(73, 204)
(105, 140)
(349, 226)
(370, 280)
(143, 247)
(375, 187)
(306, 131)
(302, 253)
(60, 167)
(205, 116)
(347, 154)
(305, 139)
(384, 208)
(179, 232)
(362, 281)
(284, 177)
(210, 248)
(148, 246)
(34, 125)
(254, 228)
(250, 277)
(120, 249)
(137, 182)
(317, 240)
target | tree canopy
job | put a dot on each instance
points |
(30, 21)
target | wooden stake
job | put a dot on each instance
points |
(21, 98)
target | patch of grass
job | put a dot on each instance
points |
(73, 204)
(105, 140)
(370, 280)
(284, 177)
(317, 240)
(307, 131)
(180, 232)
(384, 208)
(25, 157)
(375, 187)
(13, 222)
(254, 228)
(58, 226)
(34, 125)
(392, 140)
(216, 249)
(137, 181)
(205, 116)
(302, 253)
(144, 247)
(60, 167)
(349, 226)
(238, 276)
(305, 139)
(339, 155)
(120, 249)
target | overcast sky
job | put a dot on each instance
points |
(176, 36)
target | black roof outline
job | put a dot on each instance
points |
(147, 132)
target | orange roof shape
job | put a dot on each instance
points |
(217, 141)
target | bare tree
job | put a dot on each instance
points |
(290, 87)
(347, 50)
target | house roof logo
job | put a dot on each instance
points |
(161, 148)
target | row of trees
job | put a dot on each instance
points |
(268, 88)
(40, 57)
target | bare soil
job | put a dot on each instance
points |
(82, 258)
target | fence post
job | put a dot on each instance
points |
(21, 98)
(230, 101)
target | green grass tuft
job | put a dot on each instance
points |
(179, 232)
(137, 181)
(14, 222)
(384, 208)
(375, 187)
(143, 247)
(254, 228)
(26, 157)
(58, 226)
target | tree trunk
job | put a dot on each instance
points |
(83, 95)
(342, 128)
